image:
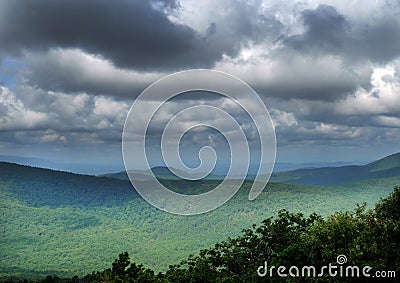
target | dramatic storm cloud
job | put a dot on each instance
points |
(133, 34)
(329, 71)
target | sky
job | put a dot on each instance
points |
(328, 72)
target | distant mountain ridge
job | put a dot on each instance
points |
(288, 166)
(388, 166)
(386, 163)
(105, 169)
(331, 175)
(144, 175)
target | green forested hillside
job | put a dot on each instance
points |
(39, 187)
(66, 224)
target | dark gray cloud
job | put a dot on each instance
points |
(72, 71)
(329, 32)
(132, 34)
(326, 30)
(303, 77)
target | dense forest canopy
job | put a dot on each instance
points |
(367, 237)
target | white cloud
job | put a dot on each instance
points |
(282, 118)
(51, 137)
(109, 108)
(387, 121)
(383, 98)
(14, 114)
